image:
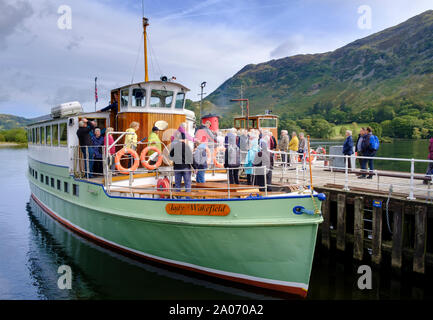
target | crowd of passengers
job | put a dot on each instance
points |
(250, 150)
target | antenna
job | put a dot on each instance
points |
(145, 24)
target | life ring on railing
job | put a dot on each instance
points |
(163, 185)
(313, 157)
(146, 163)
(120, 154)
(215, 160)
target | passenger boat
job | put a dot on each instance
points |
(232, 232)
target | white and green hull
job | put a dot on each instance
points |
(261, 242)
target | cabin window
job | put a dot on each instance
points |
(180, 98)
(42, 135)
(161, 99)
(33, 135)
(268, 123)
(63, 134)
(42, 178)
(47, 181)
(59, 185)
(253, 124)
(242, 123)
(48, 132)
(237, 123)
(138, 97)
(36, 175)
(124, 97)
(66, 187)
(55, 134)
(75, 190)
(52, 182)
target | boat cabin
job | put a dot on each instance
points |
(265, 121)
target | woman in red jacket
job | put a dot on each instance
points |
(430, 157)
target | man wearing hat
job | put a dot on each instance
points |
(154, 141)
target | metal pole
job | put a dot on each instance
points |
(228, 182)
(346, 173)
(412, 170)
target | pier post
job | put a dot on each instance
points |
(397, 237)
(377, 236)
(326, 211)
(341, 222)
(420, 239)
(358, 230)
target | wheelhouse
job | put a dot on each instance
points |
(266, 122)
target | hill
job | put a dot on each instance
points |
(395, 64)
(8, 121)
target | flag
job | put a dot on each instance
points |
(96, 91)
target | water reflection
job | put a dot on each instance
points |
(100, 273)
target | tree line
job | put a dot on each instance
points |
(17, 135)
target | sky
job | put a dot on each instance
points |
(52, 50)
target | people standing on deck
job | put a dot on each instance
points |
(220, 139)
(182, 158)
(182, 131)
(112, 151)
(348, 147)
(154, 141)
(302, 148)
(293, 148)
(97, 142)
(131, 139)
(243, 144)
(283, 145)
(429, 172)
(232, 158)
(261, 160)
(200, 159)
(358, 145)
(273, 141)
(83, 133)
(367, 151)
(249, 160)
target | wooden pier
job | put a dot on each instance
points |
(362, 219)
(390, 214)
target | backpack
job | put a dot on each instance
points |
(233, 156)
(200, 156)
(374, 142)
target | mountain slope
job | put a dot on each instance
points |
(394, 63)
(8, 121)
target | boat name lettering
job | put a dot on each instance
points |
(197, 209)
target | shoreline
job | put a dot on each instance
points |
(11, 144)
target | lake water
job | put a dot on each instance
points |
(33, 246)
(407, 149)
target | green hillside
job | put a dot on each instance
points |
(386, 69)
(8, 121)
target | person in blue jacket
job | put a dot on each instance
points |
(348, 147)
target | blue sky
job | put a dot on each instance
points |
(195, 41)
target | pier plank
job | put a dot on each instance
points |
(377, 236)
(420, 239)
(341, 222)
(358, 230)
(397, 237)
(326, 211)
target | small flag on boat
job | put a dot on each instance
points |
(96, 91)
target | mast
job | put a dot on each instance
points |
(146, 71)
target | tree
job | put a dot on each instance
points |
(377, 129)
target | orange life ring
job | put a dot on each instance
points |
(144, 154)
(313, 157)
(163, 185)
(120, 154)
(215, 161)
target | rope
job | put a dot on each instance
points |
(387, 212)
(316, 209)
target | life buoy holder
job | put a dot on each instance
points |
(163, 185)
(313, 157)
(215, 160)
(146, 163)
(119, 156)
